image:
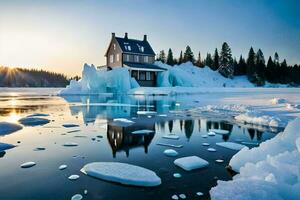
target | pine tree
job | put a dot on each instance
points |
(188, 55)
(180, 60)
(226, 67)
(283, 72)
(162, 56)
(241, 67)
(216, 61)
(170, 59)
(251, 65)
(259, 70)
(270, 70)
(199, 62)
(208, 60)
(276, 68)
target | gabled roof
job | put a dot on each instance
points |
(143, 66)
(135, 46)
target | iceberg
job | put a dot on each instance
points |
(7, 128)
(190, 163)
(231, 145)
(123, 173)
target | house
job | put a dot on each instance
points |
(136, 55)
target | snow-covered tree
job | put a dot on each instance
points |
(226, 66)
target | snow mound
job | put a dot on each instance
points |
(123, 173)
(190, 163)
(258, 118)
(7, 128)
(270, 170)
(170, 152)
(231, 145)
(33, 121)
(100, 81)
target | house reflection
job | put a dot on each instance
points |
(121, 138)
(252, 132)
(220, 125)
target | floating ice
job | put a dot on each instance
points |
(27, 164)
(182, 196)
(177, 175)
(73, 177)
(199, 194)
(5, 146)
(258, 119)
(62, 167)
(204, 136)
(205, 144)
(123, 173)
(211, 150)
(70, 144)
(85, 192)
(142, 132)
(70, 125)
(170, 145)
(122, 122)
(144, 112)
(33, 121)
(231, 145)
(170, 152)
(175, 197)
(219, 131)
(171, 136)
(219, 161)
(77, 197)
(191, 162)
(211, 133)
(7, 128)
(251, 143)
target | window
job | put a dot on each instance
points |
(142, 49)
(129, 48)
(142, 76)
(127, 57)
(114, 45)
(148, 77)
(136, 58)
(146, 59)
(111, 58)
(134, 74)
(118, 58)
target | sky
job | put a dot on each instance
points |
(61, 35)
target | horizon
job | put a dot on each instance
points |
(62, 36)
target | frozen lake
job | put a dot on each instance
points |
(101, 138)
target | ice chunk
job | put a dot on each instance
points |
(5, 146)
(231, 145)
(122, 122)
(77, 197)
(171, 136)
(205, 144)
(142, 132)
(170, 145)
(33, 121)
(259, 119)
(211, 150)
(175, 197)
(219, 131)
(219, 161)
(85, 192)
(7, 128)
(177, 175)
(191, 162)
(170, 152)
(70, 144)
(211, 133)
(182, 196)
(28, 164)
(62, 167)
(123, 173)
(73, 177)
(199, 194)
(70, 125)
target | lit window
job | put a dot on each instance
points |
(146, 59)
(118, 58)
(114, 45)
(111, 58)
(136, 58)
(148, 77)
(127, 58)
(142, 49)
(129, 48)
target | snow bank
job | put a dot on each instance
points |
(270, 170)
(7, 128)
(122, 173)
(258, 118)
(94, 81)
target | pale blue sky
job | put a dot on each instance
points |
(62, 35)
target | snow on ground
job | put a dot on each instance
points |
(123, 173)
(270, 170)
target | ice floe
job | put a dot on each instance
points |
(77, 197)
(182, 196)
(177, 175)
(144, 112)
(258, 118)
(70, 144)
(5, 146)
(211, 150)
(211, 133)
(73, 177)
(122, 122)
(33, 121)
(270, 170)
(205, 144)
(123, 173)
(7, 128)
(170, 145)
(142, 132)
(231, 145)
(219, 161)
(62, 167)
(174, 197)
(28, 164)
(171, 136)
(219, 131)
(190, 163)
(170, 152)
(199, 194)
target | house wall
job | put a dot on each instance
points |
(143, 79)
(140, 58)
(114, 52)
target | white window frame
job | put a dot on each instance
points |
(111, 58)
(148, 76)
(146, 59)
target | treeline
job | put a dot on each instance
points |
(255, 67)
(19, 77)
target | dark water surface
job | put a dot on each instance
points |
(101, 140)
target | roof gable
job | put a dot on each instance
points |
(135, 46)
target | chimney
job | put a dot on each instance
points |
(126, 36)
(113, 35)
(145, 37)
